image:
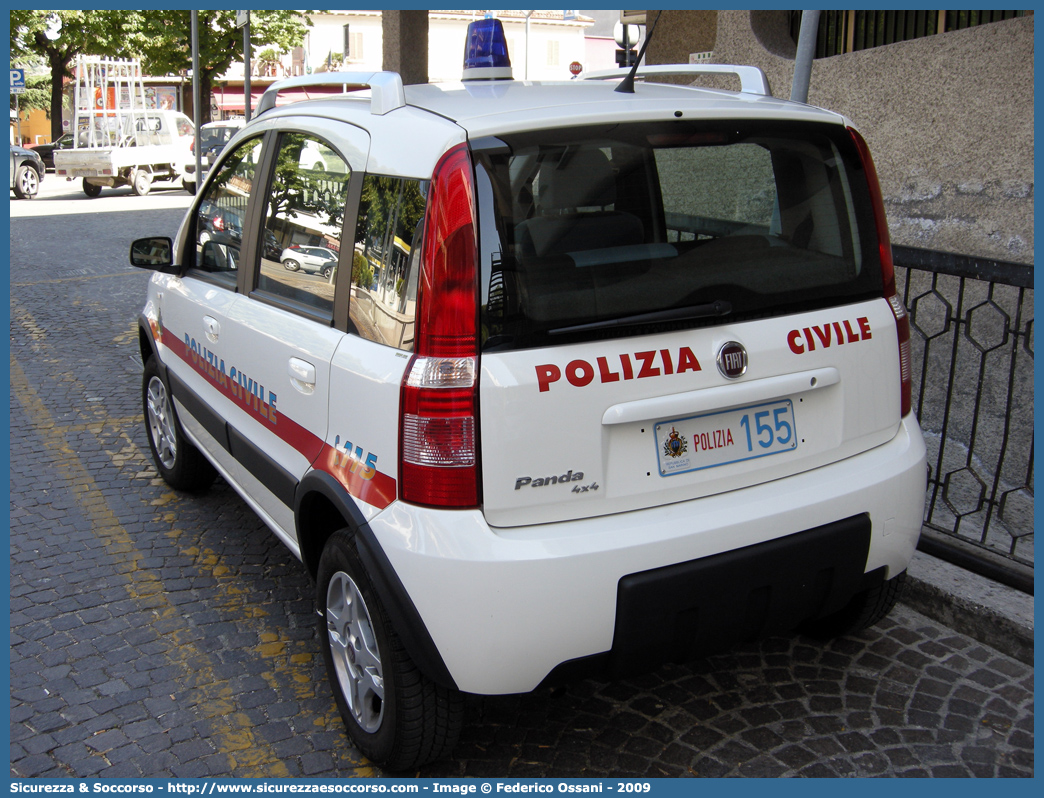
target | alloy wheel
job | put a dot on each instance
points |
(356, 657)
(161, 423)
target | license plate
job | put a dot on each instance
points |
(729, 436)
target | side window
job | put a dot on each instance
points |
(386, 260)
(302, 223)
(222, 209)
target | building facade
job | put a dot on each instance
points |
(541, 44)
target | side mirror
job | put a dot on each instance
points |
(155, 253)
(217, 257)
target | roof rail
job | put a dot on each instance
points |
(386, 92)
(752, 79)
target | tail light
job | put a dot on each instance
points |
(438, 427)
(902, 318)
(219, 222)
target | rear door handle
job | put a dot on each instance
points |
(302, 375)
(211, 328)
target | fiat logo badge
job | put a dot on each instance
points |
(732, 360)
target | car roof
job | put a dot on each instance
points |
(508, 104)
(480, 104)
(456, 111)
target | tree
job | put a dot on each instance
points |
(388, 207)
(267, 62)
(167, 42)
(37, 94)
(59, 36)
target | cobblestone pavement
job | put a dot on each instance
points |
(163, 634)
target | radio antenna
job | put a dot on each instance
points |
(627, 84)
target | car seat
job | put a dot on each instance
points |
(576, 195)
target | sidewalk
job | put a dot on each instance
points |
(994, 614)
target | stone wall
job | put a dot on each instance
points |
(949, 119)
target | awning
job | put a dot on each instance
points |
(230, 101)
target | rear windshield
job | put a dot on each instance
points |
(637, 228)
(216, 135)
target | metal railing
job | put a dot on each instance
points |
(972, 349)
(849, 31)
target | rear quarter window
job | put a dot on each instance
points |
(386, 260)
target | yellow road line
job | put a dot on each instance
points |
(73, 279)
(215, 698)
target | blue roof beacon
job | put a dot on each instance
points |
(485, 53)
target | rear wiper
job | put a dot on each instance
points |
(717, 308)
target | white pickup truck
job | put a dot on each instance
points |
(147, 146)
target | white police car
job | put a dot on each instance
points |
(603, 379)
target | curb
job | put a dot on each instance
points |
(994, 614)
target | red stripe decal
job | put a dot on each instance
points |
(368, 485)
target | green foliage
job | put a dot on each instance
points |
(37, 95)
(362, 272)
(57, 37)
(388, 202)
(161, 38)
(166, 41)
(168, 37)
(334, 61)
(267, 58)
(297, 189)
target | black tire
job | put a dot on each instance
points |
(864, 610)
(27, 182)
(189, 185)
(141, 182)
(181, 464)
(90, 189)
(327, 271)
(291, 265)
(401, 719)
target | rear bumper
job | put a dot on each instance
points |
(506, 607)
(679, 612)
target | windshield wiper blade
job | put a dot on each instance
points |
(718, 307)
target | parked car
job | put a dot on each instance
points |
(27, 172)
(636, 388)
(46, 151)
(312, 260)
(211, 140)
(222, 224)
(271, 246)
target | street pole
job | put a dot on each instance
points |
(246, 68)
(806, 50)
(525, 74)
(195, 94)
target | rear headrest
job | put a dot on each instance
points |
(580, 179)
